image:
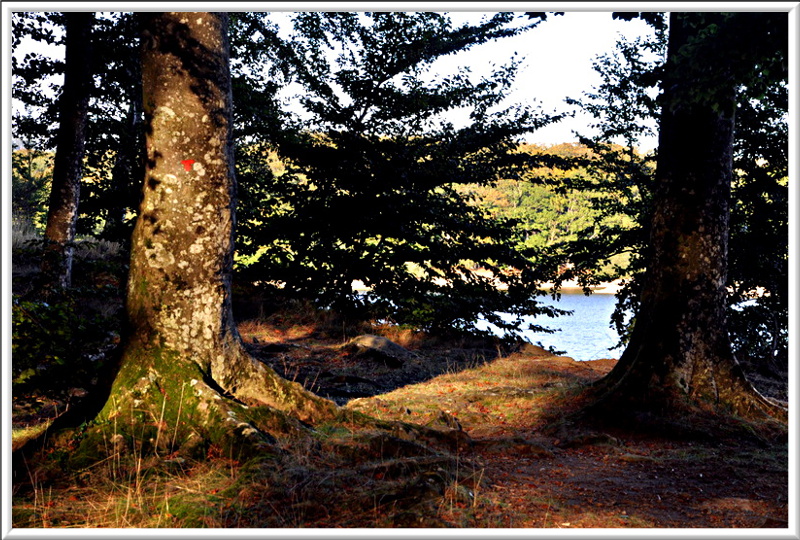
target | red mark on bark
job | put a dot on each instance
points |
(187, 164)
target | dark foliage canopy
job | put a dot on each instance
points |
(368, 186)
(363, 181)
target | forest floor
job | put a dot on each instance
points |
(501, 457)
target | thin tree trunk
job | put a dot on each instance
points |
(128, 168)
(62, 214)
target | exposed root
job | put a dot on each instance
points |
(608, 407)
(163, 404)
(257, 384)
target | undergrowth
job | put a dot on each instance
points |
(351, 469)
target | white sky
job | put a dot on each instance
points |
(558, 64)
(558, 56)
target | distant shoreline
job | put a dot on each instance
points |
(571, 286)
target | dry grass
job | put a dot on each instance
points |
(139, 494)
(264, 332)
(296, 321)
(350, 474)
(27, 244)
(21, 435)
(406, 466)
(334, 478)
(86, 248)
(512, 392)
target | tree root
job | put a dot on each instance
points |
(604, 406)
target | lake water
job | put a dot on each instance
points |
(584, 335)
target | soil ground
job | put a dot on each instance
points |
(588, 478)
(498, 461)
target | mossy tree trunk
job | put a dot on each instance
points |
(679, 354)
(62, 214)
(185, 378)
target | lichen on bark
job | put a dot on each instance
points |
(185, 377)
(62, 214)
(679, 355)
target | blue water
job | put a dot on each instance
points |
(584, 335)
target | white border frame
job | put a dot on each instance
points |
(5, 269)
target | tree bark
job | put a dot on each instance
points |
(128, 166)
(184, 366)
(62, 214)
(679, 355)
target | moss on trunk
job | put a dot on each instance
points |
(185, 381)
(162, 404)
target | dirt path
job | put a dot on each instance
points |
(511, 472)
(585, 479)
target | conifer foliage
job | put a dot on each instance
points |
(368, 191)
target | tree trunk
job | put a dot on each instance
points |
(679, 355)
(128, 166)
(65, 192)
(184, 377)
